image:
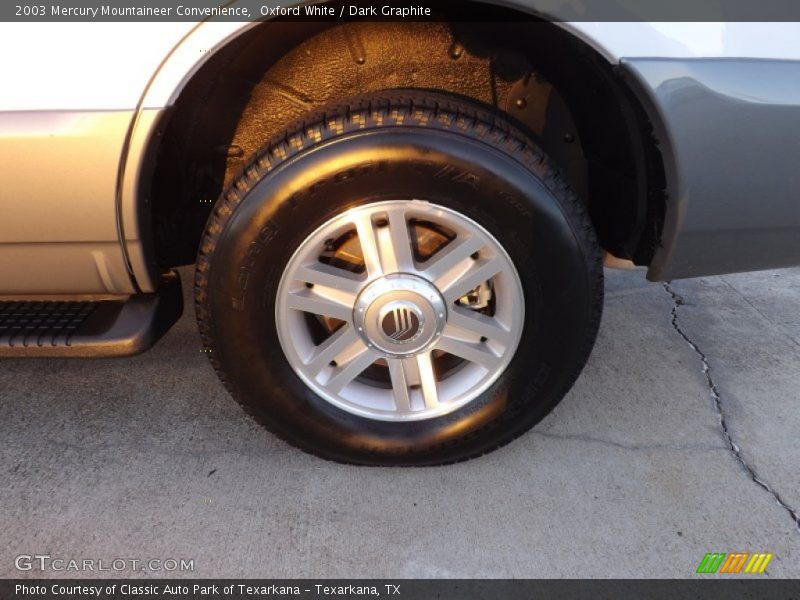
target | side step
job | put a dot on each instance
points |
(64, 329)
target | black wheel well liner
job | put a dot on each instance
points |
(199, 151)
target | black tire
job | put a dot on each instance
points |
(493, 173)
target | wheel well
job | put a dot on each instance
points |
(537, 73)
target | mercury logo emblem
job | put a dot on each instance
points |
(400, 324)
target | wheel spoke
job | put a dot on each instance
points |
(313, 302)
(328, 276)
(330, 349)
(386, 249)
(444, 266)
(478, 324)
(482, 270)
(351, 369)
(369, 245)
(397, 373)
(477, 353)
(395, 243)
(427, 380)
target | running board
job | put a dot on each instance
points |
(89, 329)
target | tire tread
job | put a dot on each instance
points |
(383, 110)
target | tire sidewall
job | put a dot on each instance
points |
(508, 198)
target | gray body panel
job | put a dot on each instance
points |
(729, 131)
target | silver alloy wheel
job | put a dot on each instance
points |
(400, 313)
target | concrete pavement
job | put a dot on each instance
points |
(631, 476)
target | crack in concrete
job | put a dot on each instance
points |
(677, 301)
(636, 447)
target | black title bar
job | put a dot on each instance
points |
(411, 10)
(395, 589)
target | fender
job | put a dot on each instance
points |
(616, 42)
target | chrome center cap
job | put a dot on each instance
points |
(400, 315)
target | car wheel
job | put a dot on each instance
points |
(400, 279)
